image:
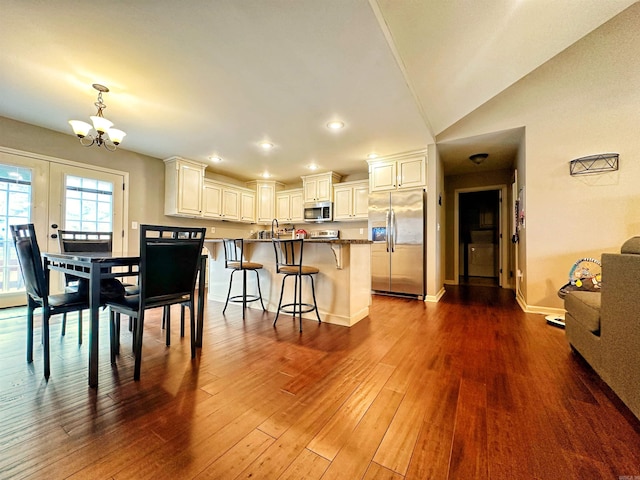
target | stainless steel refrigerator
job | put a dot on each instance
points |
(396, 228)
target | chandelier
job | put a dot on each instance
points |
(100, 133)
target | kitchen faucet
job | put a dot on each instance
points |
(277, 226)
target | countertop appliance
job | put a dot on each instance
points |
(317, 212)
(324, 234)
(396, 228)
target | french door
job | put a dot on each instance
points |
(85, 200)
(52, 196)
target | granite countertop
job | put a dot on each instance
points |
(338, 241)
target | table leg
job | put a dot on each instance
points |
(201, 286)
(94, 314)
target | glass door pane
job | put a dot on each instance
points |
(15, 209)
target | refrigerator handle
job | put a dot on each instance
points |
(392, 237)
(387, 230)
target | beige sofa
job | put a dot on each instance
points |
(604, 327)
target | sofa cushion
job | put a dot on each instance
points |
(631, 246)
(585, 308)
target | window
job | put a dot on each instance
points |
(15, 209)
(88, 204)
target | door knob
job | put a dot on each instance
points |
(54, 235)
(54, 225)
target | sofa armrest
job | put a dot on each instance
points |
(620, 326)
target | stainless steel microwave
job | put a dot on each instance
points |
(318, 212)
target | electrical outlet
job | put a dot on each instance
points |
(134, 225)
(362, 231)
(213, 229)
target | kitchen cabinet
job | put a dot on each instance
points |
(265, 199)
(398, 174)
(182, 187)
(290, 206)
(351, 201)
(319, 187)
(223, 201)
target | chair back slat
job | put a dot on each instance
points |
(288, 253)
(30, 260)
(169, 258)
(233, 251)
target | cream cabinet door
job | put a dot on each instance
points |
(247, 207)
(265, 202)
(343, 203)
(323, 189)
(283, 207)
(382, 176)
(211, 200)
(189, 188)
(361, 201)
(311, 190)
(296, 206)
(230, 204)
(412, 172)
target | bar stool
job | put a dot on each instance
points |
(234, 259)
(289, 263)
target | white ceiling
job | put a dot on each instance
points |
(199, 78)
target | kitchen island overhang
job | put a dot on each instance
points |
(343, 285)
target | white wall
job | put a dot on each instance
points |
(584, 101)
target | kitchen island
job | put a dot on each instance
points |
(343, 286)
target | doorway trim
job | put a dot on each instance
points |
(503, 224)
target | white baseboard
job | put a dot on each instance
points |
(435, 298)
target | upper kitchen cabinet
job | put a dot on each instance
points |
(351, 201)
(319, 187)
(183, 180)
(401, 173)
(265, 199)
(289, 206)
(222, 201)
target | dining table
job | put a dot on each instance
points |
(96, 266)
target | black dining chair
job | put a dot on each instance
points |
(30, 260)
(169, 259)
(72, 241)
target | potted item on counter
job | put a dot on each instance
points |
(301, 233)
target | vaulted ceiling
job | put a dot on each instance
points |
(199, 79)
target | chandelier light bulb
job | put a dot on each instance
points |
(80, 128)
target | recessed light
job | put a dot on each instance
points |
(371, 156)
(215, 159)
(266, 145)
(312, 166)
(266, 175)
(335, 125)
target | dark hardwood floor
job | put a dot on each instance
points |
(469, 388)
